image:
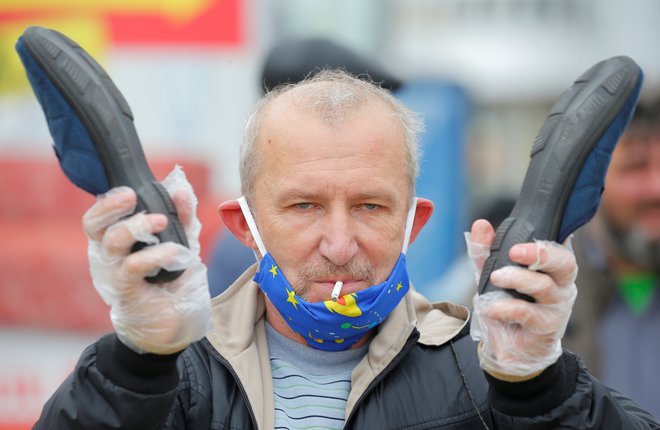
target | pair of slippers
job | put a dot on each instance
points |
(98, 147)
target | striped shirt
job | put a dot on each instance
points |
(310, 386)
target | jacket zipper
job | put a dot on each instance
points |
(223, 361)
(412, 339)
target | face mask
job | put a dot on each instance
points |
(331, 325)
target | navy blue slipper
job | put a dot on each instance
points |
(92, 127)
(570, 156)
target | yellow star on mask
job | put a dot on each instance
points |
(399, 286)
(273, 270)
(292, 299)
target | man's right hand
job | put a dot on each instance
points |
(147, 317)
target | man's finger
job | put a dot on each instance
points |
(515, 311)
(108, 209)
(482, 232)
(548, 257)
(185, 207)
(538, 285)
(121, 236)
(149, 260)
(478, 244)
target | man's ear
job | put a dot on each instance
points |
(422, 214)
(232, 216)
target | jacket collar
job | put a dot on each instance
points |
(436, 323)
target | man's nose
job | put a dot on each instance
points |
(653, 181)
(653, 184)
(338, 241)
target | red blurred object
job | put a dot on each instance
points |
(205, 23)
(44, 274)
(220, 23)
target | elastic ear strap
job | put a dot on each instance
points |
(409, 225)
(251, 224)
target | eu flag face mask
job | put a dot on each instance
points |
(331, 325)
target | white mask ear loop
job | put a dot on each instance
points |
(251, 224)
(409, 225)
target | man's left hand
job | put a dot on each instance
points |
(519, 339)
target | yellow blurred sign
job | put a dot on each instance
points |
(88, 33)
(176, 10)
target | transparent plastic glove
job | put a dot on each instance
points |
(519, 339)
(149, 318)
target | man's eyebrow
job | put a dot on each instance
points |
(374, 196)
(296, 194)
(299, 194)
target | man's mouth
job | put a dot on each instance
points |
(649, 217)
(347, 286)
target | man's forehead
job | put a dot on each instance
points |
(642, 132)
(295, 97)
(638, 141)
(290, 115)
(322, 96)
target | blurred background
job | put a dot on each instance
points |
(483, 73)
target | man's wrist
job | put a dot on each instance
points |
(513, 378)
(538, 395)
(141, 373)
(514, 372)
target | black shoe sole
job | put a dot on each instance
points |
(108, 119)
(577, 122)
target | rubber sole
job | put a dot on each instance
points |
(108, 119)
(589, 116)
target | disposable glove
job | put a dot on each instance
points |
(147, 317)
(519, 339)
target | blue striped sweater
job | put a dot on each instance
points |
(310, 386)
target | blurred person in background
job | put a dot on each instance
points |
(615, 324)
(328, 170)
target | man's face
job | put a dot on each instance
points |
(331, 202)
(631, 200)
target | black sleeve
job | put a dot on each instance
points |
(113, 387)
(565, 395)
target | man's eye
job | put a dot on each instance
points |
(371, 206)
(304, 205)
(634, 164)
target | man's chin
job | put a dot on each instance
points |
(639, 247)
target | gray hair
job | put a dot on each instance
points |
(338, 95)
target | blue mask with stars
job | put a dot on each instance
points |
(331, 325)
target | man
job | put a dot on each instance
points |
(616, 323)
(328, 172)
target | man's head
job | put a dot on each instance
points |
(630, 205)
(334, 96)
(328, 167)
